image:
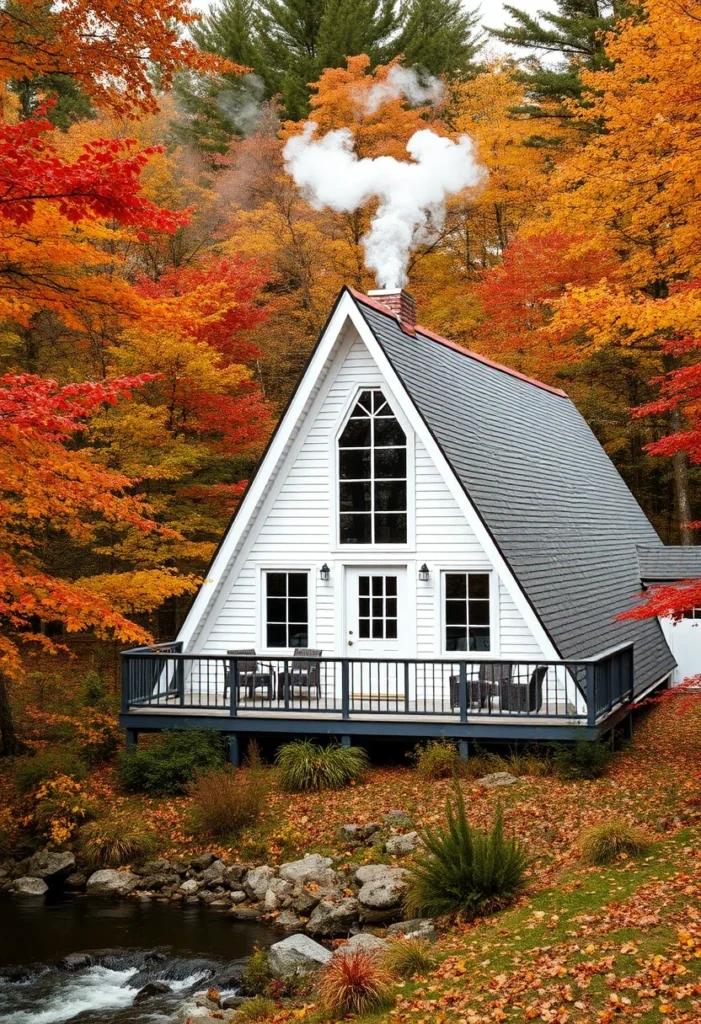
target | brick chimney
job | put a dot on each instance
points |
(399, 302)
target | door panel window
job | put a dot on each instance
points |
(377, 607)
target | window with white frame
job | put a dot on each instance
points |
(692, 613)
(467, 611)
(286, 609)
(372, 465)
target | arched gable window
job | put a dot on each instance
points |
(372, 471)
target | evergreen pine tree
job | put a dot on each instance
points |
(440, 36)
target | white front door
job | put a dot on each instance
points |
(376, 612)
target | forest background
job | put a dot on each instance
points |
(162, 279)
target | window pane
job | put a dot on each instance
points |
(377, 629)
(299, 636)
(355, 529)
(390, 462)
(455, 584)
(390, 528)
(276, 584)
(356, 434)
(391, 585)
(298, 609)
(277, 609)
(390, 496)
(365, 400)
(388, 433)
(364, 629)
(378, 606)
(479, 584)
(355, 497)
(456, 613)
(479, 639)
(391, 629)
(364, 585)
(378, 585)
(379, 402)
(391, 606)
(456, 638)
(297, 584)
(354, 464)
(277, 635)
(364, 606)
(479, 613)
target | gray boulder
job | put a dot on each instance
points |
(235, 874)
(416, 928)
(288, 921)
(51, 866)
(151, 989)
(109, 882)
(203, 862)
(28, 886)
(371, 872)
(214, 874)
(349, 834)
(368, 830)
(381, 898)
(190, 886)
(297, 954)
(257, 881)
(366, 941)
(497, 779)
(401, 845)
(331, 918)
(397, 819)
(305, 901)
(76, 880)
(238, 896)
(312, 868)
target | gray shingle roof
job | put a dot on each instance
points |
(551, 498)
(662, 564)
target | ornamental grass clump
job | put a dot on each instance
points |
(406, 958)
(304, 766)
(354, 982)
(465, 869)
(255, 1009)
(226, 800)
(612, 840)
(437, 759)
(111, 842)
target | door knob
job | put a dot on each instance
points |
(350, 643)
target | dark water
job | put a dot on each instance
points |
(131, 943)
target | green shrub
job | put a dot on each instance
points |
(304, 765)
(483, 762)
(586, 759)
(98, 737)
(169, 762)
(258, 1008)
(257, 975)
(465, 869)
(437, 759)
(406, 957)
(32, 772)
(530, 762)
(115, 841)
(225, 800)
(605, 843)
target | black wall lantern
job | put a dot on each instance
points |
(424, 573)
(325, 573)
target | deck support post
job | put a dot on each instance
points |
(628, 726)
(346, 741)
(464, 750)
(234, 751)
(132, 740)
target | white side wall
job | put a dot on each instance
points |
(684, 639)
(296, 529)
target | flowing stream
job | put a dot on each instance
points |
(128, 944)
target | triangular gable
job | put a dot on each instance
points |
(346, 312)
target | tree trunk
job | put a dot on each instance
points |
(9, 741)
(681, 487)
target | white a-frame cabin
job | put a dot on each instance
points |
(432, 544)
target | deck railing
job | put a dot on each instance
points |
(581, 692)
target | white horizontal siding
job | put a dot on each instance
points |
(295, 529)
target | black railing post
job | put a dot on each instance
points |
(126, 679)
(406, 686)
(234, 687)
(345, 689)
(590, 676)
(180, 679)
(286, 684)
(462, 691)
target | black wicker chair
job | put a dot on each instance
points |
(249, 678)
(526, 697)
(302, 673)
(492, 678)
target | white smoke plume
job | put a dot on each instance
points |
(403, 82)
(411, 195)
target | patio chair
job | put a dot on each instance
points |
(305, 674)
(492, 678)
(526, 697)
(249, 678)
